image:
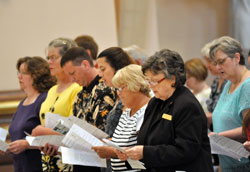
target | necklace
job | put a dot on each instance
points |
(232, 88)
(243, 73)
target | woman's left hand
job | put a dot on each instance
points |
(18, 146)
(104, 151)
(135, 153)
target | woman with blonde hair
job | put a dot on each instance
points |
(173, 136)
(133, 90)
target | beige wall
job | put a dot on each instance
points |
(184, 26)
(27, 26)
(187, 25)
(181, 25)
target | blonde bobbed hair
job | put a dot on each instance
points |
(133, 78)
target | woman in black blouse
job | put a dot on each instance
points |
(173, 136)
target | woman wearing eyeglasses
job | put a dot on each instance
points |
(173, 136)
(60, 101)
(234, 100)
(218, 82)
(133, 91)
(109, 62)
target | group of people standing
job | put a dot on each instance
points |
(146, 109)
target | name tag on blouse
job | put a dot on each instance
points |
(167, 117)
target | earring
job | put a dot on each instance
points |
(173, 84)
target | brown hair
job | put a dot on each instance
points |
(246, 122)
(38, 68)
(88, 43)
(196, 68)
(116, 58)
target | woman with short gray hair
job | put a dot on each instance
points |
(234, 99)
(60, 101)
(173, 136)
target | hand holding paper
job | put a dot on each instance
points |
(50, 149)
(225, 146)
(18, 146)
(135, 164)
(135, 153)
(104, 151)
(121, 155)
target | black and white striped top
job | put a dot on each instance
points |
(125, 135)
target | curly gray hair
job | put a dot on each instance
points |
(168, 62)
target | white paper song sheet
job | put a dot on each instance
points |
(3, 134)
(88, 127)
(51, 119)
(87, 158)
(42, 140)
(3, 146)
(225, 146)
(83, 134)
(135, 164)
(74, 141)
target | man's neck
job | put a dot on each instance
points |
(92, 73)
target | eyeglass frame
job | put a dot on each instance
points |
(154, 83)
(220, 62)
(53, 58)
(121, 88)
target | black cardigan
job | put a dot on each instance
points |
(174, 135)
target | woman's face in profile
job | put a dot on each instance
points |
(54, 59)
(105, 71)
(127, 96)
(160, 85)
(191, 82)
(25, 79)
(210, 66)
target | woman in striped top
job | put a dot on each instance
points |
(134, 93)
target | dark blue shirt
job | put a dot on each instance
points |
(25, 119)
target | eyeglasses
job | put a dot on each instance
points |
(220, 62)
(154, 83)
(121, 88)
(53, 58)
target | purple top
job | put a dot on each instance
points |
(25, 119)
